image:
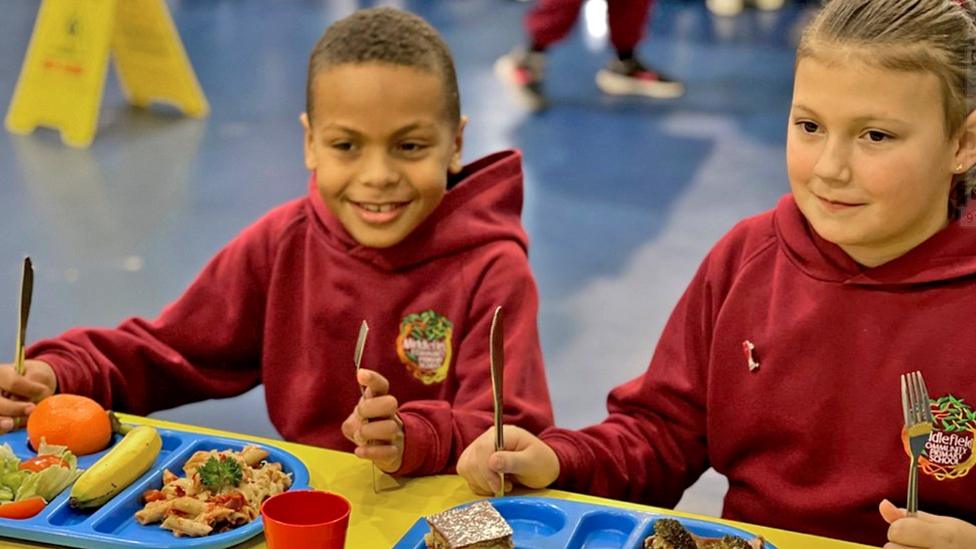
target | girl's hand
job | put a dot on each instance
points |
(925, 531)
(527, 459)
(374, 425)
(18, 393)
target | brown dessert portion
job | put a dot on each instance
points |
(477, 526)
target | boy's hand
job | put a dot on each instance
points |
(374, 425)
(925, 531)
(527, 459)
(19, 393)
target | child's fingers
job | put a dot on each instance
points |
(375, 384)
(351, 426)
(889, 512)
(378, 453)
(498, 463)
(493, 481)
(28, 389)
(474, 461)
(36, 384)
(488, 484)
(6, 424)
(386, 431)
(7, 377)
(477, 488)
(378, 407)
(489, 478)
(14, 408)
(915, 532)
(516, 438)
(7, 373)
(929, 517)
(533, 467)
(480, 464)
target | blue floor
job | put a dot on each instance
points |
(623, 196)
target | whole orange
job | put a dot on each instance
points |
(74, 421)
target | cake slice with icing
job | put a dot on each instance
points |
(477, 526)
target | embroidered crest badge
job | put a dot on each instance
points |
(949, 452)
(424, 346)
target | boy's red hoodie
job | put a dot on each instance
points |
(282, 305)
(810, 440)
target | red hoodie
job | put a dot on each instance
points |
(809, 439)
(282, 305)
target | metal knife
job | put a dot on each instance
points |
(357, 358)
(497, 338)
(26, 291)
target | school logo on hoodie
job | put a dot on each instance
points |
(949, 451)
(424, 346)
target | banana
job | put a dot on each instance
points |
(120, 467)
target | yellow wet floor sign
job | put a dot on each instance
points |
(64, 71)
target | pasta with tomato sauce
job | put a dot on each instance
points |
(220, 490)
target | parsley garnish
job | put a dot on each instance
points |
(217, 473)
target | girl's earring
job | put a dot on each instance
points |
(959, 168)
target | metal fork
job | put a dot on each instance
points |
(918, 425)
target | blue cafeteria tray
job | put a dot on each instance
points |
(547, 523)
(113, 526)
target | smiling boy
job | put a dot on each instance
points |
(394, 231)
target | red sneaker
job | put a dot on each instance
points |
(523, 71)
(631, 77)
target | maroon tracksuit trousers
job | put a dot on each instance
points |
(549, 21)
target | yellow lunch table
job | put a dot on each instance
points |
(380, 520)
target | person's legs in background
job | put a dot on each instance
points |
(627, 75)
(549, 21)
(546, 23)
(729, 8)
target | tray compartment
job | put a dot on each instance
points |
(703, 528)
(605, 529)
(120, 521)
(64, 516)
(531, 519)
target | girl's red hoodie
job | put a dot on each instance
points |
(780, 366)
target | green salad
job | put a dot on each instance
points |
(46, 475)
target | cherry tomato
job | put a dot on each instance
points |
(25, 508)
(153, 495)
(39, 463)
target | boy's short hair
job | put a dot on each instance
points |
(385, 35)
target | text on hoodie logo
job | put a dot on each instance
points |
(424, 346)
(949, 451)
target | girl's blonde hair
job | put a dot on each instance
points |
(935, 36)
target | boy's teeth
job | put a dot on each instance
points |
(378, 207)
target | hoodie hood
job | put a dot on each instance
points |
(947, 255)
(483, 204)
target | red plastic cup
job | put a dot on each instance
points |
(306, 519)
